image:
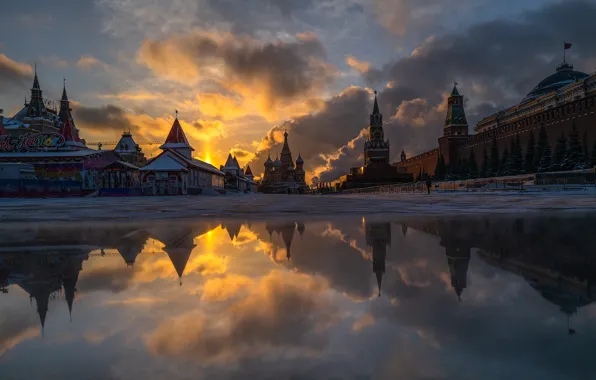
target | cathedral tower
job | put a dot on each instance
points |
(286, 155)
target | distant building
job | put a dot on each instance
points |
(235, 177)
(281, 175)
(175, 172)
(129, 151)
(376, 170)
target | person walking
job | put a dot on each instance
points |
(428, 183)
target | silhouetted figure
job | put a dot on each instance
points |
(428, 184)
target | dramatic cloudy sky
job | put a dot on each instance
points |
(240, 72)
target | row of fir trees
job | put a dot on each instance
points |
(570, 153)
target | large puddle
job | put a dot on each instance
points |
(422, 298)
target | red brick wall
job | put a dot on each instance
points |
(426, 161)
(556, 120)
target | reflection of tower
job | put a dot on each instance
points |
(301, 228)
(233, 229)
(69, 281)
(287, 233)
(404, 229)
(42, 289)
(458, 260)
(4, 279)
(378, 237)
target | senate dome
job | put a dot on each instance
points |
(564, 76)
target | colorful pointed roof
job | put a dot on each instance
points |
(277, 162)
(176, 138)
(71, 137)
(299, 160)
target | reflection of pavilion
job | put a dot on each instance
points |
(378, 237)
(131, 245)
(179, 242)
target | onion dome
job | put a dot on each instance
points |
(299, 161)
(268, 163)
(277, 162)
(563, 77)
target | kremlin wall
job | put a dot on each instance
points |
(562, 100)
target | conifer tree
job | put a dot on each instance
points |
(573, 153)
(542, 142)
(529, 159)
(585, 152)
(504, 166)
(560, 153)
(494, 158)
(593, 156)
(440, 168)
(518, 161)
(545, 159)
(472, 165)
(484, 172)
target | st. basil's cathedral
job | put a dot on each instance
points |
(281, 175)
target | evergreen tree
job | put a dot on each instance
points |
(518, 158)
(464, 168)
(440, 168)
(545, 159)
(593, 157)
(494, 159)
(473, 166)
(560, 154)
(529, 159)
(504, 166)
(573, 153)
(585, 153)
(484, 172)
(542, 143)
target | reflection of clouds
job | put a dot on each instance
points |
(223, 288)
(282, 310)
(15, 328)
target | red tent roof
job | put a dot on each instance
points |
(176, 138)
(68, 132)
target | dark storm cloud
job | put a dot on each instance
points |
(281, 70)
(496, 63)
(13, 73)
(103, 118)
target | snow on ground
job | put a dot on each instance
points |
(269, 206)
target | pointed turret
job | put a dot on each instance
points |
(2, 131)
(301, 228)
(376, 106)
(286, 155)
(69, 282)
(71, 137)
(230, 162)
(36, 106)
(177, 141)
(456, 123)
(458, 260)
(248, 173)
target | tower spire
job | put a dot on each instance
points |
(376, 106)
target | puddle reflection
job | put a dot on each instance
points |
(416, 298)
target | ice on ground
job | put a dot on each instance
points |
(269, 206)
